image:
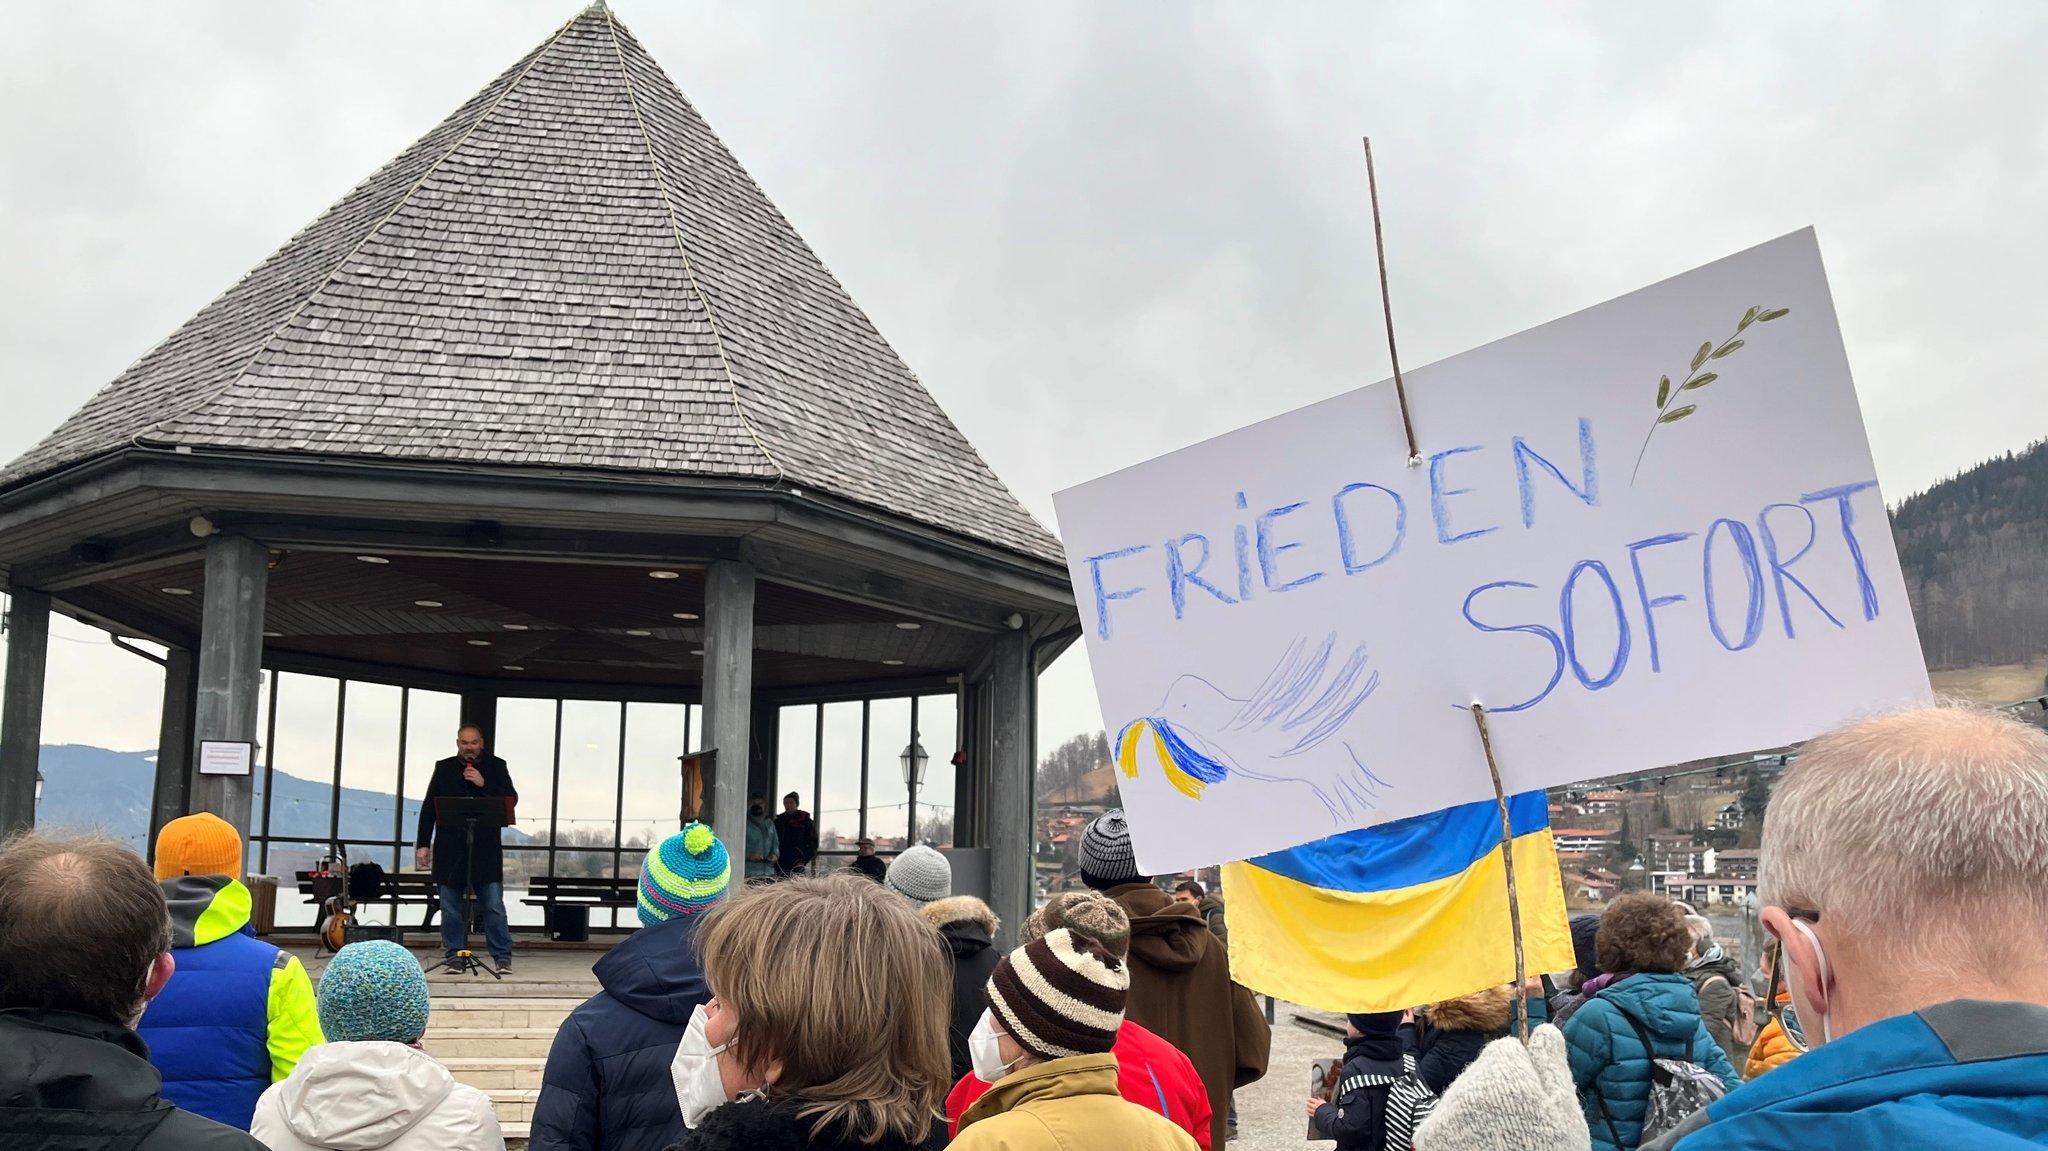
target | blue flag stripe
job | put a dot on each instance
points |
(1408, 852)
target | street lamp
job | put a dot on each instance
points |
(913, 760)
(39, 785)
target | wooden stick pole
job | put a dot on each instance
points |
(1507, 857)
(1379, 243)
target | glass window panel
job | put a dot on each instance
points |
(521, 864)
(796, 753)
(369, 768)
(938, 724)
(526, 742)
(287, 859)
(304, 779)
(654, 789)
(586, 814)
(888, 795)
(838, 806)
(431, 721)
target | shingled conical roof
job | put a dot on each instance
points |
(569, 272)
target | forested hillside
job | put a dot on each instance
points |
(1975, 553)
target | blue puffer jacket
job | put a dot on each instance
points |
(607, 1085)
(1609, 1064)
(1959, 1076)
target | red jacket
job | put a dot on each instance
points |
(1149, 1072)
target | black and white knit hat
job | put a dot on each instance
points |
(1060, 996)
(1106, 849)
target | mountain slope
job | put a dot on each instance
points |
(1975, 553)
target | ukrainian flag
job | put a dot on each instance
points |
(1406, 913)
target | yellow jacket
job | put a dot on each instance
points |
(1065, 1105)
(1770, 1050)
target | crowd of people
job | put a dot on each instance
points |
(1907, 1004)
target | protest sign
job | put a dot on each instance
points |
(1641, 534)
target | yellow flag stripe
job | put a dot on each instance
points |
(1390, 950)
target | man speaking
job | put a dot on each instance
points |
(468, 774)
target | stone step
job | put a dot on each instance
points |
(450, 1015)
(513, 1104)
(516, 1135)
(498, 1073)
(487, 1042)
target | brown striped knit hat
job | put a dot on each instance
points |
(1060, 996)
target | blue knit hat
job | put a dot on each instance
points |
(684, 874)
(373, 990)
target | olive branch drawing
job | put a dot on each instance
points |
(1696, 379)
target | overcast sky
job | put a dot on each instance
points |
(1099, 231)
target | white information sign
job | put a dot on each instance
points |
(1645, 533)
(225, 757)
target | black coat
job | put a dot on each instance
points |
(1442, 1055)
(775, 1126)
(968, 927)
(607, 1086)
(450, 851)
(796, 834)
(70, 1082)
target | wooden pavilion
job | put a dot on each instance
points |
(554, 403)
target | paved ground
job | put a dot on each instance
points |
(1270, 1115)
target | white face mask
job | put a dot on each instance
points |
(699, 1087)
(985, 1047)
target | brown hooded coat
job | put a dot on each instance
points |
(1181, 991)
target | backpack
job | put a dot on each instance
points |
(1678, 1088)
(1743, 1027)
(1409, 1101)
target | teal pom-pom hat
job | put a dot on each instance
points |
(684, 874)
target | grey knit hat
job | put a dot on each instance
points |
(920, 873)
(1106, 849)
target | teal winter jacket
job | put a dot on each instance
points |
(1608, 1062)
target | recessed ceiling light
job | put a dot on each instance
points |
(638, 631)
(892, 663)
(666, 574)
(687, 615)
(514, 667)
(906, 625)
(426, 603)
(176, 590)
(696, 651)
(373, 559)
(517, 627)
(479, 643)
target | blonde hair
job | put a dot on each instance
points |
(1922, 835)
(848, 987)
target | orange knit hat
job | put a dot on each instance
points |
(202, 844)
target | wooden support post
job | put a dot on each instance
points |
(173, 793)
(728, 698)
(1011, 837)
(21, 709)
(1507, 857)
(230, 668)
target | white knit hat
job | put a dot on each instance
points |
(920, 873)
(1512, 1098)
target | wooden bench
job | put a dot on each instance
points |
(405, 888)
(567, 900)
